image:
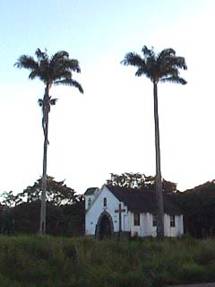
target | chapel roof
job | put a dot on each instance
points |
(143, 200)
(90, 190)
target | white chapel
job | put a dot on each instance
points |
(114, 210)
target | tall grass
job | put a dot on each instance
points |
(49, 261)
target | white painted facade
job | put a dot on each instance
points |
(96, 209)
(145, 227)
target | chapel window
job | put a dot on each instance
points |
(105, 202)
(154, 220)
(172, 220)
(136, 219)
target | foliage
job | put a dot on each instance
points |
(61, 220)
(64, 262)
(161, 67)
(57, 192)
(54, 70)
(9, 199)
(198, 206)
(140, 181)
(65, 210)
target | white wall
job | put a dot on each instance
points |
(146, 227)
(170, 231)
(87, 197)
(140, 230)
(93, 213)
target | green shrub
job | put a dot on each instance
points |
(63, 262)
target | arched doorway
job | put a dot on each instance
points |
(104, 227)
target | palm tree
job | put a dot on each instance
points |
(55, 70)
(161, 67)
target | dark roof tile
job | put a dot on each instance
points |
(143, 201)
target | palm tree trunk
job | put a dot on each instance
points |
(45, 122)
(158, 182)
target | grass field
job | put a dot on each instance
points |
(34, 261)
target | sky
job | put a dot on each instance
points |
(109, 129)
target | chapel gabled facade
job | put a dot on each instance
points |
(115, 211)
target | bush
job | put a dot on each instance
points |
(64, 262)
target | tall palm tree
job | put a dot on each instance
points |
(161, 67)
(55, 70)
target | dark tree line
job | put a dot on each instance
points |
(140, 181)
(198, 206)
(65, 210)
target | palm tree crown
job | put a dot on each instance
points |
(53, 70)
(163, 67)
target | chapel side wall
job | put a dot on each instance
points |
(93, 213)
(180, 225)
(146, 227)
(151, 230)
(139, 230)
(175, 231)
(169, 231)
(125, 221)
(135, 230)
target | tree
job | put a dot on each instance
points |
(140, 181)
(9, 199)
(55, 70)
(65, 209)
(57, 192)
(130, 180)
(161, 67)
(198, 206)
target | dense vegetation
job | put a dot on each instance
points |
(198, 207)
(65, 210)
(48, 261)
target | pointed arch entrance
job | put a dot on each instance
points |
(104, 226)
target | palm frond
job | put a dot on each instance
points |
(57, 69)
(53, 101)
(179, 62)
(162, 67)
(41, 56)
(141, 71)
(73, 65)
(40, 102)
(166, 53)
(70, 82)
(35, 73)
(26, 62)
(133, 59)
(174, 79)
(59, 55)
(148, 53)
(60, 74)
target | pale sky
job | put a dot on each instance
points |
(110, 128)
